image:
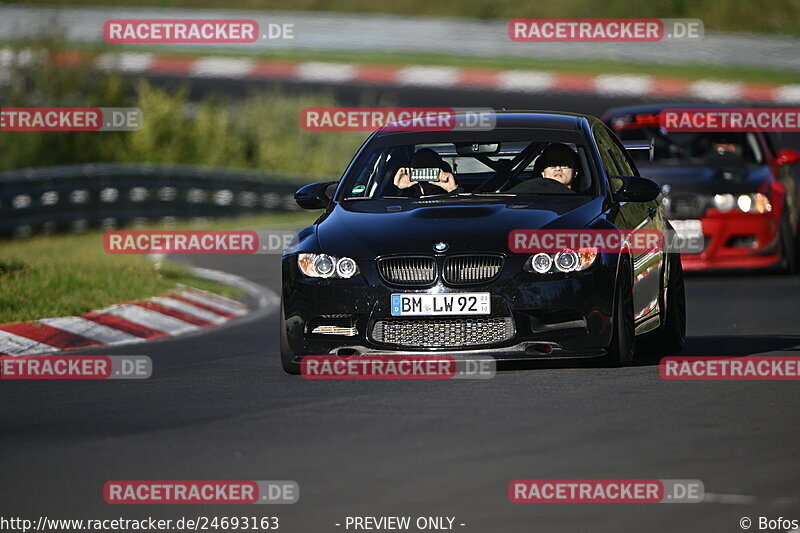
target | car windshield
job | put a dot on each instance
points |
(464, 164)
(707, 148)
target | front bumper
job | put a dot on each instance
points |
(728, 238)
(553, 316)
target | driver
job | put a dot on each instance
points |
(425, 158)
(558, 166)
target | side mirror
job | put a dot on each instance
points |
(637, 189)
(314, 196)
(787, 156)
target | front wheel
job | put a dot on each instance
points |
(623, 341)
(668, 339)
(287, 355)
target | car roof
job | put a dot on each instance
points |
(520, 120)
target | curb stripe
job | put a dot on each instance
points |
(214, 309)
(274, 69)
(574, 81)
(331, 72)
(717, 90)
(525, 81)
(666, 87)
(128, 62)
(171, 65)
(377, 73)
(210, 298)
(428, 76)
(475, 77)
(131, 328)
(228, 67)
(179, 315)
(146, 317)
(211, 67)
(160, 316)
(12, 344)
(91, 330)
(623, 85)
(188, 309)
(45, 334)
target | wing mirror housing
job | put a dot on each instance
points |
(314, 196)
(787, 156)
(637, 189)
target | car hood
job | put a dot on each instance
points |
(707, 179)
(365, 229)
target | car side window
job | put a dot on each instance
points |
(623, 158)
(605, 145)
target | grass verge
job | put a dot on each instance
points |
(63, 275)
(259, 131)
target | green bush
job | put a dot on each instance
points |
(260, 131)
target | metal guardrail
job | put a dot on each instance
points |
(79, 197)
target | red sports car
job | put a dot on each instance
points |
(731, 192)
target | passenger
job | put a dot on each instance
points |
(426, 158)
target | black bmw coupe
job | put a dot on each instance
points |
(411, 254)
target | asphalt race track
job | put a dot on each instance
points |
(219, 407)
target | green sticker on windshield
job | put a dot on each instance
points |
(359, 189)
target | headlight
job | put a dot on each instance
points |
(745, 202)
(724, 202)
(541, 263)
(564, 261)
(754, 203)
(326, 266)
(346, 267)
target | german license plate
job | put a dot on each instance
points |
(463, 303)
(688, 229)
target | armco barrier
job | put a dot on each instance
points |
(79, 197)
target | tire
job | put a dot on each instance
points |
(669, 337)
(788, 247)
(287, 354)
(623, 341)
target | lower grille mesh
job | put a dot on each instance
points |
(443, 333)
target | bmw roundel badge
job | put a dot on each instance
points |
(441, 247)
